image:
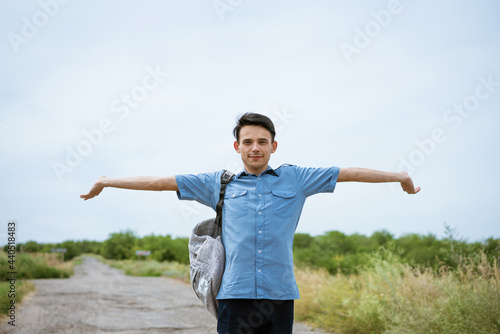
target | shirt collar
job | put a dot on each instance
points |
(268, 170)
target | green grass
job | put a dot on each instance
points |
(390, 297)
(30, 266)
(150, 268)
(21, 289)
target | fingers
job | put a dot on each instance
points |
(93, 193)
(86, 197)
(95, 190)
(411, 190)
(407, 184)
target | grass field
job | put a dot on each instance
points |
(29, 266)
(390, 297)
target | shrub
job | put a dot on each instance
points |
(119, 246)
(28, 266)
(389, 296)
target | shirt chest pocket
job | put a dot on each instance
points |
(235, 203)
(283, 202)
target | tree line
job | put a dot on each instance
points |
(348, 254)
(335, 251)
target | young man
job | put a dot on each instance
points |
(261, 211)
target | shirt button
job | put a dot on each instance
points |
(260, 213)
(258, 270)
(258, 178)
(260, 232)
(260, 251)
(260, 195)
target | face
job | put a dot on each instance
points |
(255, 147)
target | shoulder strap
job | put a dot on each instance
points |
(225, 178)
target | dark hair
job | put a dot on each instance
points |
(251, 118)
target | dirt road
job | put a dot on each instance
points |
(100, 299)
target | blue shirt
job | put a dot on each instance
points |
(259, 219)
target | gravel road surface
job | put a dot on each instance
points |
(100, 299)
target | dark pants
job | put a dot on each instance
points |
(253, 316)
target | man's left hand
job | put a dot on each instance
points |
(407, 184)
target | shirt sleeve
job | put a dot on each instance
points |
(317, 180)
(202, 188)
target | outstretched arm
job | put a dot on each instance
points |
(355, 174)
(135, 183)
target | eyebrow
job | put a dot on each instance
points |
(258, 139)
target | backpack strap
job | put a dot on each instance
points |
(225, 178)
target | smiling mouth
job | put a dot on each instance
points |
(255, 157)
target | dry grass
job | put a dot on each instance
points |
(55, 260)
(390, 297)
(151, 268)
(29, 265)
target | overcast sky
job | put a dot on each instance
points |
(129, 88)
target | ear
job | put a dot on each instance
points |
(236, 146)
(275, 146)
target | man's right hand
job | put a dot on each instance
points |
(95, 190)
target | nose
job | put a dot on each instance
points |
(255, 147)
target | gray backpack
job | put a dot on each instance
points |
(207, 256)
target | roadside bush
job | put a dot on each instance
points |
(28, 267)
(31, 247)
(389, 296)
(119, 246)
(164, 248)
